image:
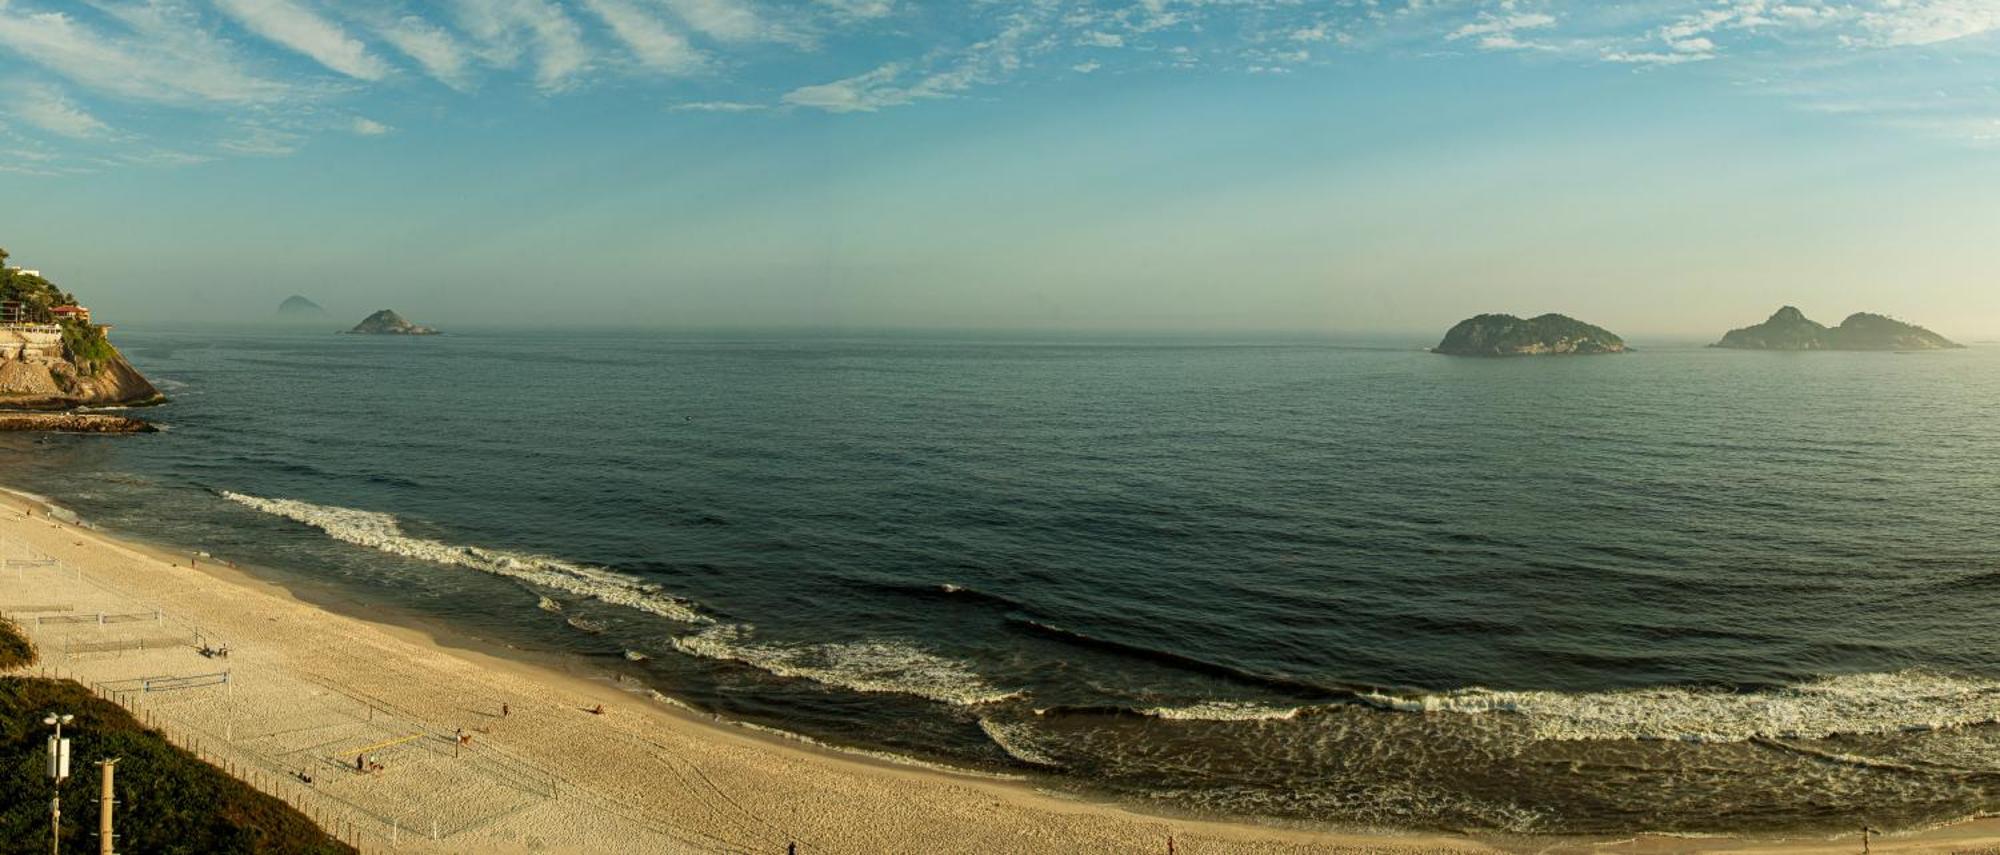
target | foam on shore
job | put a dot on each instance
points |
(1900, 702)
(862, 666)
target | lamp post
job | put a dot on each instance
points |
(58, 772)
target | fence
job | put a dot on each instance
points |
(309, 765)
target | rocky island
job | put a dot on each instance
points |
(1790, 329)
(387, 322)
(1545, 335)
(53, 357)
(298, 309)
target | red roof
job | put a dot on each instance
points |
(69, 310)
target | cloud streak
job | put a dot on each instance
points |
(294, 26)
(47, 108)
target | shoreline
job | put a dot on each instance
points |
(857, 799)
(71, 421)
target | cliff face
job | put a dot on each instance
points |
(1790, 329)
(1545, 335)
(41, 374)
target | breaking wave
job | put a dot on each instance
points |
(1851, 705)
(1017, 741)
(1900, 702)
(862, 666)
(382, 532)
(1226, 711)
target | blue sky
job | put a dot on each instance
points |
(1659, 166)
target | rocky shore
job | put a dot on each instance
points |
(73, 423)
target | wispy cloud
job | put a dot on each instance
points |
(161, 55)
(433, 47)
(506, 30)
(47, 108)
(862, 93)
(1502, 31)
(734, 21)
(240, 65)
(258, 140)
(656, 45)
(717, 107)
(1926, 22)
(294, 26)
(947, 73)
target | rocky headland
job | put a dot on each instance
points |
(1790, 329)
(52, 356)
(1544, 335)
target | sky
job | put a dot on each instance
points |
(1659, 167)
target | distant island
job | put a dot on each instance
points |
(53, 356)
(297, 308)
(387, 322)
(1790, 329)
(1546, 335)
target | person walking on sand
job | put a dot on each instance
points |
(504, 710)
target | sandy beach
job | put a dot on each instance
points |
(303, 692)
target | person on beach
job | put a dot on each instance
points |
(504, 710)
(597, 710)
(360, 762)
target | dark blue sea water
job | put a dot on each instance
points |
(1676, 590)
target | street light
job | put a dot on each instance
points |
(58, 772)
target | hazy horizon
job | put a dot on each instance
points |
(1666, 169)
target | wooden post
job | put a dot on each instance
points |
(104, 835)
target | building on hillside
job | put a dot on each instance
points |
(11, 312)
(76, 313)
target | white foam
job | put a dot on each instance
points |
(862, 666)
(1225, 711)
(381, 531)
(884, 756)
(1015, 739)
(1852, 704)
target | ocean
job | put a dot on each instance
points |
(1678, 590)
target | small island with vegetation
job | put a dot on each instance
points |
(1545, 335)
(1790, 329)
(54, 357)
(387, 322)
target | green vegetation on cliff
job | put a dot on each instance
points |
(1507, 335)
(84, 343)
(38, 296)
(88, 370)
(15, 651)
(1790, 329)
(168, 800)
